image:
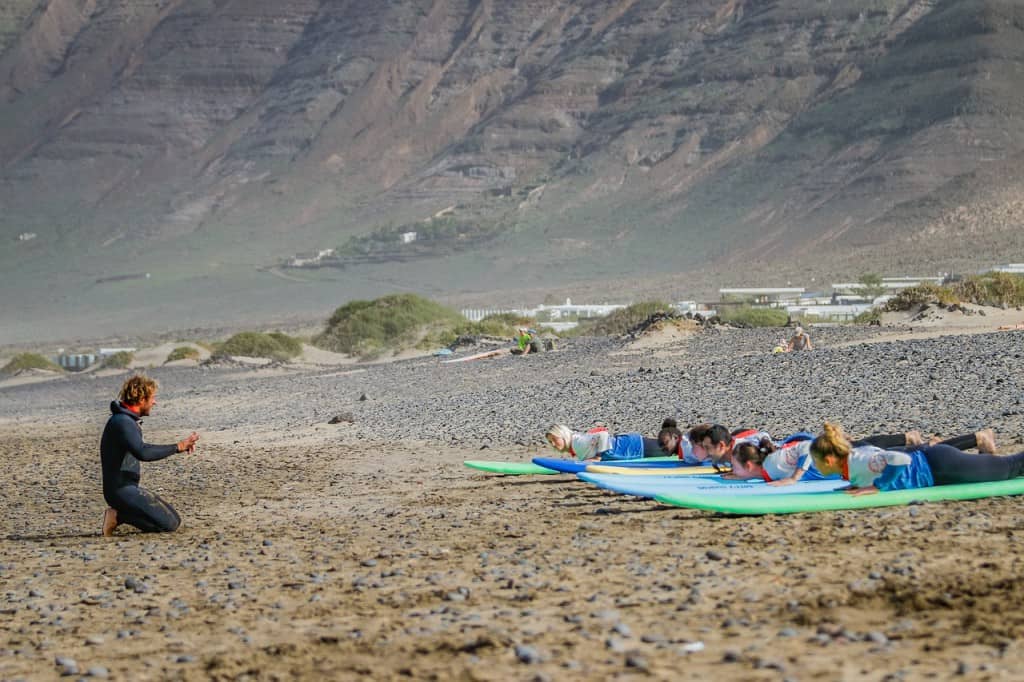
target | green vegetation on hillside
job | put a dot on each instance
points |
(433, 237)
(276, 346)
(620, 321)
(24, 361)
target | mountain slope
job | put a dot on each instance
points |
(586, 141)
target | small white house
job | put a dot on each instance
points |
(408, 237)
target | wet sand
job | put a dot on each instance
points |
(310, 551)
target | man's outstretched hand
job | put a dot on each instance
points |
(189, 444)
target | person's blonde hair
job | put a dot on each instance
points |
(137, 388)
(563, 432)
(831, 442)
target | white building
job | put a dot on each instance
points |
(1014, 268)
(889, 284)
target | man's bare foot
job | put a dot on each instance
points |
(934, 440)
(914, 437)
(109, 522)
(986, 439)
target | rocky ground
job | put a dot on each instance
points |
(363, 548)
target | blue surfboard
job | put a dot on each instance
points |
(654, 486)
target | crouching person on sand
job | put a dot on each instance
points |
(121, 450)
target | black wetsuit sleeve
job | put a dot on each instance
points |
(886, 441)
(144, 452)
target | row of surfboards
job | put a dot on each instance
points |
(669, 481)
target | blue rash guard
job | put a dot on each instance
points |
(624, 446)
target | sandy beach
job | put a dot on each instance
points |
(364, 549)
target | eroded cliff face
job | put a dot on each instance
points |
(722, 130)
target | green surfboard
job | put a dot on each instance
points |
(508, 468)
(811, 502)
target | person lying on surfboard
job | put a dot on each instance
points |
(870, 469)
(714, 442)
(792, 462)
(675, 442)
(598, 443)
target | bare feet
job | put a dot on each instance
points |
(109, 522)
(986, 439)
(914, 437)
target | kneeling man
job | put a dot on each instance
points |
(121, 450)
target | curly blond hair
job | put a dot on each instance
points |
(137, 388)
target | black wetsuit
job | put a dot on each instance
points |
(121, 449)
(898, 441)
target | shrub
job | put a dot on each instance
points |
(24, 361)
(993, 288)
(275, 346)
(396, 322)
(119, 360)
(747, 316)
(620, 321)
(183, 353)
(915, 296)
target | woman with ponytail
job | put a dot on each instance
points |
(870, 468)
(791, 461)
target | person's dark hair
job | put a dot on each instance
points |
(669, 429)
(697, 433)
(718, 434)
(746, 453)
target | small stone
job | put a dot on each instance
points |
(877, 638)
(713, 555)
(636, 661)
(98, 671)
(527, 654)
(622, 629)
(615, 645)
(692, 647)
